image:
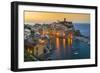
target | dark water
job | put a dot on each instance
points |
(84, 28)
(76, 50)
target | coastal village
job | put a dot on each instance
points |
(41, 39)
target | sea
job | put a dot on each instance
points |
(83, 27)
(78, 49)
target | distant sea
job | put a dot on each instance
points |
(84, 28)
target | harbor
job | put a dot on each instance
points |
(55, 41)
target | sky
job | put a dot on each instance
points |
(49, 17)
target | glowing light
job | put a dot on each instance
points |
(63, 34)
(70, 39)
(29, 51)
(64, 42)
(57, 43)
(47, 32)
(41, 41)
(57, 34)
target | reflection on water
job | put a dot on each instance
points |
(63, 46)
(64, 40)
(70, 40)
(64, 43)
(58, 43)
(68, 48)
